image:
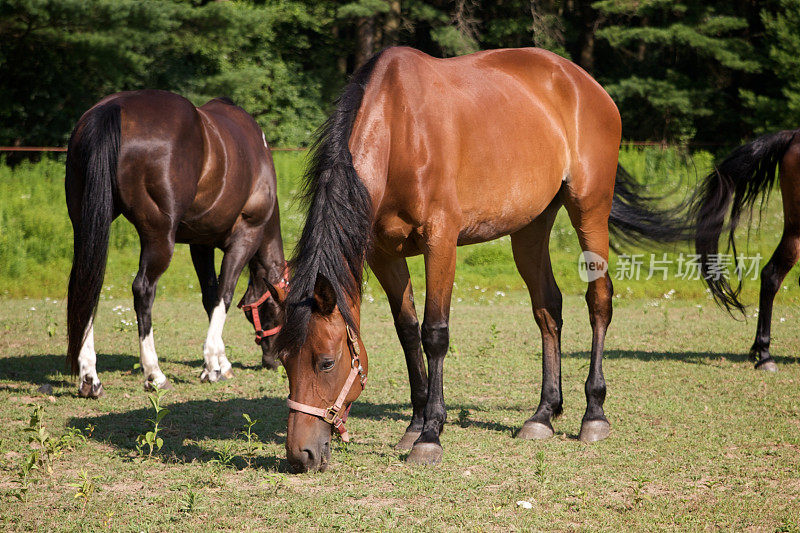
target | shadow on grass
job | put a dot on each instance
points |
(39, 368)
(698, 358)
(188, 424)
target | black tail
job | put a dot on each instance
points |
(635, 218)
(745, 175)
(91, 159)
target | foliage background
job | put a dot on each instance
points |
(708, 72)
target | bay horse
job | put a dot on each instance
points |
(422, 155)
(179, 173)
(731, 190)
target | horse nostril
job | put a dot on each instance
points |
(308, 456)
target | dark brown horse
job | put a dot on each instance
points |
(746, 175)
(180, 173)
(420, 156)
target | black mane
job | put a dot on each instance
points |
(338, 225)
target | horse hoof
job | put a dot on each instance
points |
(425, 453)
(228, 374)
(150, 385)
(210, 377)
(768, 366)
(91, 390)
(594, 430)
(535, 431)
(407, 441)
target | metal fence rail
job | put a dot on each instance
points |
(63, 149)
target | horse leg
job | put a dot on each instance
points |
(90, 386)
(772, 275)
(440, 265)
(203, 261)
(589, 216)
(216, 365)
(532, 257)
(154, 259)
(392, 273)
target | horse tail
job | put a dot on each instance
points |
(635, 218)
(91, 167)
(747, 174)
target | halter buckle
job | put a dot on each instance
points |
(331, 415)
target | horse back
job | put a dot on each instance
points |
(237, 183)
(485, 140)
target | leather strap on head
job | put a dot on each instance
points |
(262, 334)
(334, 415)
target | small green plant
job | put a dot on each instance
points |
(252, 444)
(52, 327)
(638, 495)
(540, 469)
(40, 437)
(48, 447)
(274, 481)
(190, 502)
(30, 464)
(85, 488)
(225, 456)
(151, 438)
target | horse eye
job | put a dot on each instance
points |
(326, 364)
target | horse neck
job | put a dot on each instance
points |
(268, 262)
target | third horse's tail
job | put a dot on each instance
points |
(732, 189)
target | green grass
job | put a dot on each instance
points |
(700, 440)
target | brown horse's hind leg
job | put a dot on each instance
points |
(156, 253)
(440, 266)
(392, 273)
(589, 216)
(532, 256)
(772, 275)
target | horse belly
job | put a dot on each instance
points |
(509, 189)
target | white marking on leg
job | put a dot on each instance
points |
(149, 360)
(87, 358)
(214, 348)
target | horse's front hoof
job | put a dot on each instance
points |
(768, 366)
(594, 430)
(535, 431)
(210, 377)
(425, 453)
(151, 386)
(92, 390)
(407, 441)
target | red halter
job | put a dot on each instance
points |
(262, 334)
(334, 415)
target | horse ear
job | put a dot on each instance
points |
(278, 293)
(324, 296)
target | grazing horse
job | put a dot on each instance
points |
(746, 175)
(422, 155)
(180, 173)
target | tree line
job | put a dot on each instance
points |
(680, 71)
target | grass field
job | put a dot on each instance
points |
(699, 439)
